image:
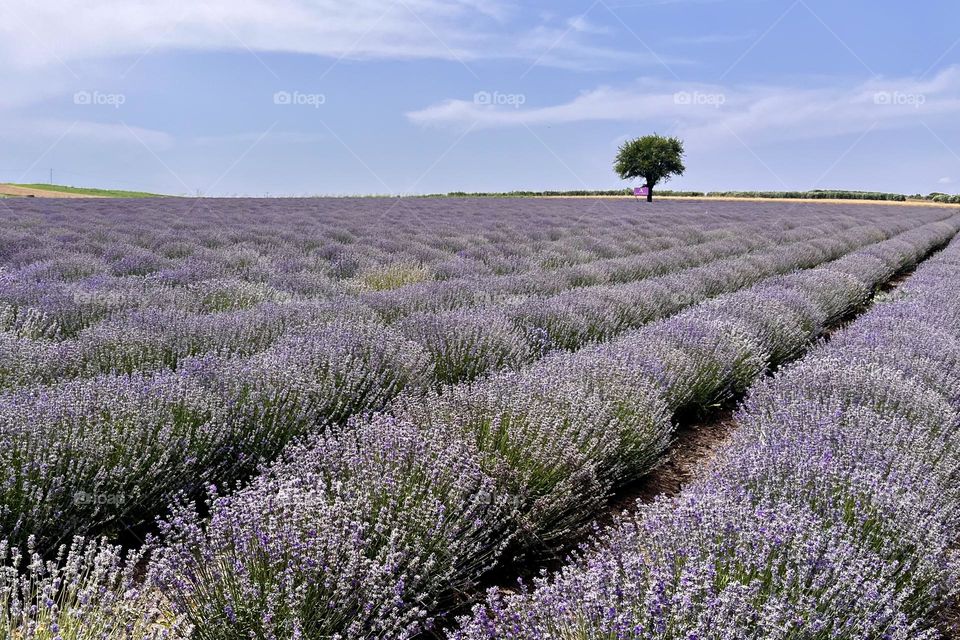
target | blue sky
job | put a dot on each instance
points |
(296, 97)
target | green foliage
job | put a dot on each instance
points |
(653, 158)
(817, 194)
(945, 198)
(392, 276)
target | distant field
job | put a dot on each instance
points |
(41, 190)
(61, 191)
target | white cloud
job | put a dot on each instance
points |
(250, 137)
(59, 32)
(946, 180)
(569, 46)
(45, 33)
(713, 38)
(711, 113)
(604, 103)
(582, 25)
(64, 131)
(52, 48)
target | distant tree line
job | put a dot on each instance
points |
(816, 194)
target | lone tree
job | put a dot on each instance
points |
(653, 158)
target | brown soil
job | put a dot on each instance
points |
(950, 623)
(11, 190)
(695, 446)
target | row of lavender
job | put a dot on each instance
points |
(373, 530)
(834, 513)
(104, 454)
(531, 494)
(97, 260)
(462, 342)
(246, 237)
(38, 304)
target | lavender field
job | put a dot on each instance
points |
(378, 418)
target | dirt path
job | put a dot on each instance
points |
(695, 446)
(11, 190)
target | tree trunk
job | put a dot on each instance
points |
(649, 193)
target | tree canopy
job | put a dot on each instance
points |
(653, 158)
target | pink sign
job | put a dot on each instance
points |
(640, 191)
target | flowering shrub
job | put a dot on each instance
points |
(362, 534)
(90, 591)
(465, 344)
(531, 361)
(832, 513)
(102, 454)
(556, 439)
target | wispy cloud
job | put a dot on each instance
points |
(644, 4)
(43, 33)
(246, 137)
(571, 47)
(58, 32)
(711, 113)
(42, 129)
(582, 25)
(712, 38)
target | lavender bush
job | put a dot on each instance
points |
(833, 513)
(90, 591)
(465, 344)
(363, 534)
(147, 354)
(95, 454)
(108, 453)
(555, 439)
(331, 372)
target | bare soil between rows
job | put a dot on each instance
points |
(694, 448)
